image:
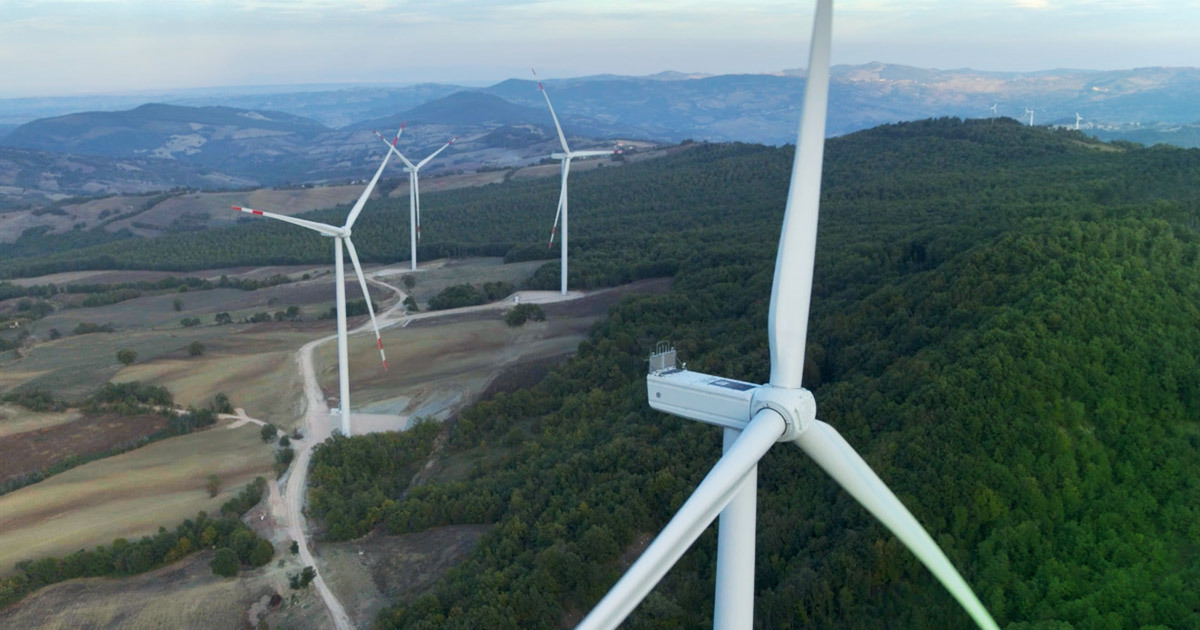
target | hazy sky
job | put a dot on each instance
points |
(60, 47)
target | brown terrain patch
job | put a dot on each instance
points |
(376, 571)
(182, 595)
(29, 452)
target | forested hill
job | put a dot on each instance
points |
(1004, 324)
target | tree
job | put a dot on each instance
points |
(54, 334)
(126, 356)
(224, 563)
(221, 403)
(262, 554)
(284, 441)
(268, 432)
(177, 304)
(222, 318)
(408, 281)
(294, 548)
(195, 349)
(292, 313)
(410, 304)
(213, 485)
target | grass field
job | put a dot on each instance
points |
(14, 419)
(467, 271)
(76, 365)
(256, 369)
(128, 495)
(185, 595)
(453, 360)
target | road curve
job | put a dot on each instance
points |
(318, 424)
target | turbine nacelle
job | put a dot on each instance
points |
(724, 402)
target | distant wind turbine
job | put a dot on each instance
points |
(994, 108)
(342, 235)
(756, 417)
(566, 156)
(414, 191)
(1029, 112)
(1077, 119)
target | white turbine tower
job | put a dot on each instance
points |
(1077, 119)
(414, 191)
(757, 416)
(566, 156)
(993, 108)
(342, 235)
(1029, 112)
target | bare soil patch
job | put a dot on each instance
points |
(32, 451)
(376, 571)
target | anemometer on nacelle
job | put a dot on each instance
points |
(717, 400)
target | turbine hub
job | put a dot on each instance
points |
(797, 406)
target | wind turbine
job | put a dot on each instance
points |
(1077, 119)
(342, 235)
(755, 417)
(994, 109)
(414, 191)
(566, 156)
(1029, 112)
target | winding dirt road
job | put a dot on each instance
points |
(318, 422)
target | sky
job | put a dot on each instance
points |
(72, 47)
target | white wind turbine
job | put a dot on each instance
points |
(1077, 119)
(1029, 112)
(757, 416)
(340, 235)
(566, 156)
(993, 108)
(414, 191)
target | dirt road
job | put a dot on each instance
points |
(318, 421)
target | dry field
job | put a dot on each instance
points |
(449, 272)
(255, 368)
(129, 495)
(375, 571)
(132, 275)
(38, 449)
(185, 596)
(215, 206)
(14, 419)
(439, 364)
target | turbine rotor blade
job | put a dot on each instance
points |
(434, 154)
(711, 496)
(362, 283)
(362, 199)
(561, 137)
(392, 144)
(327, 230)
(832, 453)
(791, 292)
(576, 154)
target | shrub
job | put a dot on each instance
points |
(518, 315)
(224, 563)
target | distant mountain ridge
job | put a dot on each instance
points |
(272, 138)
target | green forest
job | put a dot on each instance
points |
(1005, 325)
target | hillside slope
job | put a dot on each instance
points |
(1003, 324)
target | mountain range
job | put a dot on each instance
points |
(323, 134)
